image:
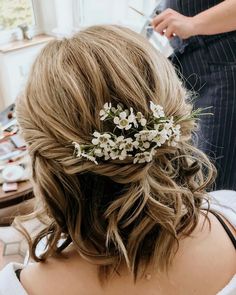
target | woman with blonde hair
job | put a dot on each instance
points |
(108, 126)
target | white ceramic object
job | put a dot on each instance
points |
(12, 173)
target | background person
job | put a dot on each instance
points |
(205, 54)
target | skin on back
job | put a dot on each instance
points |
(204, 264)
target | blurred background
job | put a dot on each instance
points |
(26, 25)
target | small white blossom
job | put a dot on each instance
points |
(143, 122)
(114, 154)
(143, 146)
(98, 152)
(97, 136)
(141, 119)
(176, 133)
(145, 135)
(169, 123)
(107, 155)
(89, 157)
(126, 144)
(136, 144)
(161, 137)
(120, 139)
(142, 157)
(105, 111)
(117, 154)
(159, 127)
(77, 149)
(146, 145)
(123, 155)
(123, 122)
(103, 140)
(132, 118)
(157, 110)
(119, 107)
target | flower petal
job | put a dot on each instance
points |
(116, 120)
(123, 115)
(95, 141)
(96, 134)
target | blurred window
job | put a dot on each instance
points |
(16, 12)
(92, 12)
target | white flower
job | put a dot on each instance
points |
(117, 154)
(123, 155)
(119, 107)
(114, 110)
(89, 157)
(132, 118)
(146, 145)
(159, 127)
(126, 144)
(77, 149)
(123, 122)
(157, 110)
(105, 111)
(169, 123)
(98, 152)
(103, 140)
(119, 140)
(136, 144)
(142, 157)
(176, 133)
(161, 137)
(143, 122)
(106, 155)
(143, 146)
(114, 154)
(145, 135)
(141, 119)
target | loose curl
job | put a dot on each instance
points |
(115, 212)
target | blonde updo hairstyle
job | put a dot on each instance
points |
(117, 212)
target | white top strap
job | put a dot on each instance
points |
(9, 283)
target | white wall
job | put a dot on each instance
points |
(93, 12)
(45, 15)
(59, 17)
(14, 70)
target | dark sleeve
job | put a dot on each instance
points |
(18, 271)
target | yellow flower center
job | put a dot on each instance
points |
(124, 122)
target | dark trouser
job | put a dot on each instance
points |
(210, 70)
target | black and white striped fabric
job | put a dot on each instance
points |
(208, 65)
(191, 7)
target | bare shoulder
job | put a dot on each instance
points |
(61, 275)
(208, 256)
(36, 277)
(45, 277)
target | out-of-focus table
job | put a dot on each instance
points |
(16, 202)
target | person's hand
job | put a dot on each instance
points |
(171, 23)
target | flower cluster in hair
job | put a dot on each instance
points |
(133, 135)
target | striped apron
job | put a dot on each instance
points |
(208, 66)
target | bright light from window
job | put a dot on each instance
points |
(116, 11)
(15, 12)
